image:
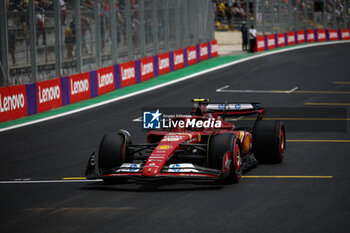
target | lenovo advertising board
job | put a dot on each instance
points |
(49, 94)
(321, 35)
(291, 38)
(271, 43)
(345, 34)
(105, 80)
(214, 48)
(13, 102)
(127, 74)
(79, 87)
(333, 35)
(203, 51)
(260, 43)
(163, 63)
(191, 55)
(179, 59)
(301, 36)
(147, 68)
(310, 36)
(281, 40)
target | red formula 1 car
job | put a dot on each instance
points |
(202, 146)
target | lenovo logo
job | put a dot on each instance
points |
(105, 79)
(146, 68)
(79, 86)
(192, 55)
(9, 103)
(204, 51)
(128, 73)
(164, 63)
(179, 59)
(49, 94)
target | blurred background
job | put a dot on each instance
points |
(46, 39)
(277, 16)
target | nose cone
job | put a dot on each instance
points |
(149, 171)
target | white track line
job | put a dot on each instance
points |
(170, 83)
(140, 119)
(294, 89)
(223, 89)
(46, 181)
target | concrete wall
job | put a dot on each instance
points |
(228, 38)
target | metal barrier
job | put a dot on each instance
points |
(50, 39)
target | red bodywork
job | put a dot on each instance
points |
(173, 140)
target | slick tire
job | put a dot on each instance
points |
(269, 141)
(225, 154)
(112, 153)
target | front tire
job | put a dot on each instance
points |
(112, 154)
(225, 154)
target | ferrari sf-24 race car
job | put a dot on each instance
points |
(197, 150)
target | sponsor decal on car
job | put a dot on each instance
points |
(230, 106)
(172, 138)
(164, 147)
(155, 160)
(182, 167)
(156, 156)
(130, 167)
(160, 152)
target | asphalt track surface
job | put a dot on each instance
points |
(60, 148)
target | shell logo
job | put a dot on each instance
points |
(164, 147)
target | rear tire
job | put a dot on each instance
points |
(222, 149)
(112, 154)
(269, 141)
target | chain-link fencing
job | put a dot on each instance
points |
(46, 39)
(277, 16)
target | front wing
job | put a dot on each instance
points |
(134, 171)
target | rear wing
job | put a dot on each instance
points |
(229, 109)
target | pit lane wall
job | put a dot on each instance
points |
(25, 100)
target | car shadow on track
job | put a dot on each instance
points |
(154, 186)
